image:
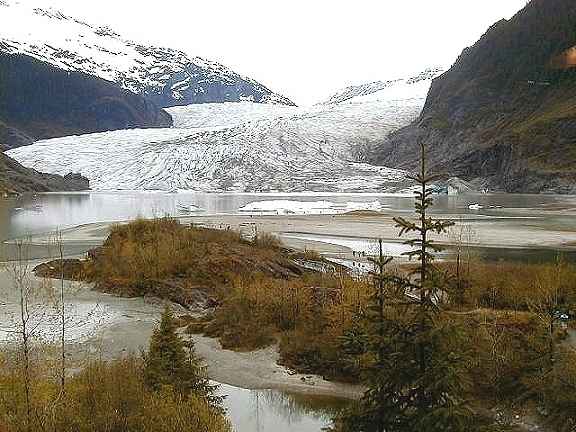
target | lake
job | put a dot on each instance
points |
(32, 214)
(45, 212)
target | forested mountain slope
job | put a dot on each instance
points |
(38, 100)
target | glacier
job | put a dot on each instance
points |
(402, 88)
(244, 147)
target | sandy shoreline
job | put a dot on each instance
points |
(513, 233)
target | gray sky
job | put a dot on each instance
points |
(305, 49)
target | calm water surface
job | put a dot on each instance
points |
(46, 212)
(274, 411)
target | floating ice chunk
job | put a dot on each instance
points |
(188, 208)
(308, 207)
(475, 206)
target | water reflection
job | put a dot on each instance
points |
(272, 410)
(31, 214)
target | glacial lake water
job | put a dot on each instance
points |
(33, 214)
(37, 213)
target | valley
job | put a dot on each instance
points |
(245, 147)
(397, 256)
(113, 325)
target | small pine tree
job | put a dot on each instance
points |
(376, 322)
(416, 380)
(172, 362)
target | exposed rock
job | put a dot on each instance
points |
(457, 186)
(504, 113)
(40, 101)
(15, 178)
(77, 179)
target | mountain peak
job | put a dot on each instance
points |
(164, 76)
(351, 93)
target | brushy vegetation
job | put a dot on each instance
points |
(503, 325)
(320, 323)
(308, 315)
(104, 396)
(166, 392)
(508, 286)
(165, 258)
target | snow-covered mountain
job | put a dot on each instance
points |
(414, 86)
(243, 147)
(165, 76)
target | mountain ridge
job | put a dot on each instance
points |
(350, 92)
(38, 101)
(164, 76)
(504, 115)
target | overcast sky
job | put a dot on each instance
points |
(305, 49)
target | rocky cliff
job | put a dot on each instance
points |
(505, 113)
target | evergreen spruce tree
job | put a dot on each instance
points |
(172, 362)
(427, 378)
(376, 321)
(416, 381)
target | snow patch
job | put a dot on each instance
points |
(396, 89)
(73, 45)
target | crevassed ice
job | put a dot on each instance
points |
(242, 146)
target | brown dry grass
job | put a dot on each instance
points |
(511, 286)
(165, 258)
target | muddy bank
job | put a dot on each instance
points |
(107, 326)
(260, 370)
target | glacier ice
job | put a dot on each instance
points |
(244, 147)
